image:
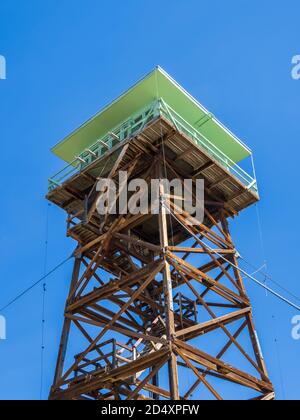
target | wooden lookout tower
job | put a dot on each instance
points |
(157, 307)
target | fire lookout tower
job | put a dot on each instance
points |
(157, 308)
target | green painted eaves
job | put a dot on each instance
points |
(157, 84)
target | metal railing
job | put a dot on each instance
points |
(183, 126)
(125, 130)
(135, 124)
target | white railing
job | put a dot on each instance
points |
(135, 124)
(183, 126)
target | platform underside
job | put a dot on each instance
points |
(222, 189)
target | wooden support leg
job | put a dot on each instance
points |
(66, 327)
(173, 369)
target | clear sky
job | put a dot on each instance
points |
(65, 60)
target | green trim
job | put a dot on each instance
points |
(157, 84)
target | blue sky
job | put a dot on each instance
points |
(65, 60)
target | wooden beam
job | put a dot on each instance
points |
(214, 323)
(163, 230)
(203, 168)
(111, 175)
(201, 378)
(201, 251)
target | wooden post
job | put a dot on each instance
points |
(168, 293)
(66, 326)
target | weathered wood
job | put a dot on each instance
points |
(111, 175)
(66, 327)
(201, 378)
(213, 324)
(173, 371)
(130, 273)
(214, 364)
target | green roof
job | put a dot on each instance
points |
(156, 85)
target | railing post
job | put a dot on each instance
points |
(114, 350)
(134, 357)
